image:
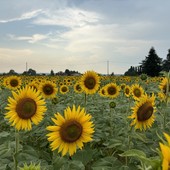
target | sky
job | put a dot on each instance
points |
(101, 35)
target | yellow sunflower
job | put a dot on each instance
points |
(143, 112)
(165, 149)
(25, 107)
(165, 87)
(71, 130)
(14, 82)
(77, 88)
(90, 82)
(48, 89)
(127, 91)
(64, 89)
(137, 91)
(102, 92)
(112, 90)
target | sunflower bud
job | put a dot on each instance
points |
(112, 104)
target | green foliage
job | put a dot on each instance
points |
(115, 145)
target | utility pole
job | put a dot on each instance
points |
(107, 67)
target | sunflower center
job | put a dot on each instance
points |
(14, 82)
(48, 89)
(90, 82)
(111, 90)
(127, 91)
(26, 108)
(144, 112)
(137, 92)
(71, 131)
(64, 89)
(78, 88)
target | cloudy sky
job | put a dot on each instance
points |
(81, 35)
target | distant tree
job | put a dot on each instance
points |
(67, 72)
(131, 72)
(31, 72)
(52, 73)
(152, 64)
(12, 72)
(166, 62)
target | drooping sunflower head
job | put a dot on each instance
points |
(14, 82)
(25, 107)
(64, 89)
(48, 89)
(165, 85)
(143, 112)
(90, 82)
(137, 91)
(112, 90)
(165, 150)
(71, 130)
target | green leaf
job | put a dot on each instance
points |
(107, 163)
(133, 153)
(85, 155)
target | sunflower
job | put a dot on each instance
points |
(137, 91)
(77, 88)
(25, 106)
(143, 112)
(102, 92)
(48, 89)
(165, 86)
(71, 130)
(14, 82)
(127, 91)
(112, 90)
(64, 89)
(165, 149)
(90, 82)
(34, 85)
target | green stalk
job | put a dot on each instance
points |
(16, 149)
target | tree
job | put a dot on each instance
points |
(52, 73)
(131, 72)
(31, 72)
(166, 62)
(152, 64)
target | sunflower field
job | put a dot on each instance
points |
(87, 122)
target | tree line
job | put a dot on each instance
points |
(152, 65)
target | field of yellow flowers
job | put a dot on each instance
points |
(87, 122)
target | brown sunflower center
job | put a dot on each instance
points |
(111, 90)
(78, 87)
(127, 91)
(137, 92)
(90, 82)
(64, 89)
(14, 82)
(71, 131)
(48, 89)
(145, 112)
(26, 108)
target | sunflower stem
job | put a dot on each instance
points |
(85, 99)
(16, 149)
(111, 120)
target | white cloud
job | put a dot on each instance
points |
(68, 17)
(27, 15)
(31, 39)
